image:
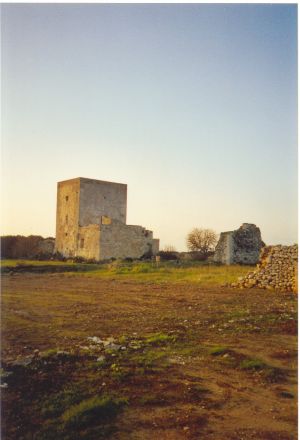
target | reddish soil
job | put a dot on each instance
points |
(194, 393)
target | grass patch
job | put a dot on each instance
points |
(252, 364)
(159, 338)
(218, 350)
(94, 410)
(120, 373)
(150, 360)
(267, 372)
(59, 402)
(197, 272)
(202, 273)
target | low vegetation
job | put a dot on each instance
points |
(96, 409)
(197, 272)
(217, 351)
(104, 355)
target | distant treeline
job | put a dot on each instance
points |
(32, 247)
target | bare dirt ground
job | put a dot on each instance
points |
(189, 362)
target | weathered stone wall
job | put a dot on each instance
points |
(98, 198)
(277, 269)
(239, 247)
(122, 241)
(224, 249)
(89, 242)
(83, 202)
(67, 215)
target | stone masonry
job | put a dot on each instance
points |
(239, 247)
(277, 269)
(91, 222)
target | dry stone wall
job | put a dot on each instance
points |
(277, 269)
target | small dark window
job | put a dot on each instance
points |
(67, 198)
(67, 219)
(82, 243)
(66, 234)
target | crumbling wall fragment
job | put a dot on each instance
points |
(239, 247)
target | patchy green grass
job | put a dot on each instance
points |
(252, 364)
(218, 350)
(120, 373)
(237, 360)
(59, 402)
(267, 372)
(95, 409)
(151, 360)
(49, 353)
(199, 272)
(159, 338)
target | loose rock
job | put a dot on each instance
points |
(277, 270)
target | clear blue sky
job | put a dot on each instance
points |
(193, 106)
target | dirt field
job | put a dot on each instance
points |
(166, 360)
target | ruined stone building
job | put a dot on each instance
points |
(239, 247)
(91, 222)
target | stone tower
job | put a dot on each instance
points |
(91, 222)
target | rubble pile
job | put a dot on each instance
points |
(277, 269)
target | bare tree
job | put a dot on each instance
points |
(201, 240)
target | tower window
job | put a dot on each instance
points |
(81, 243)
(67, 219)
(67, 198)
(66, 234)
